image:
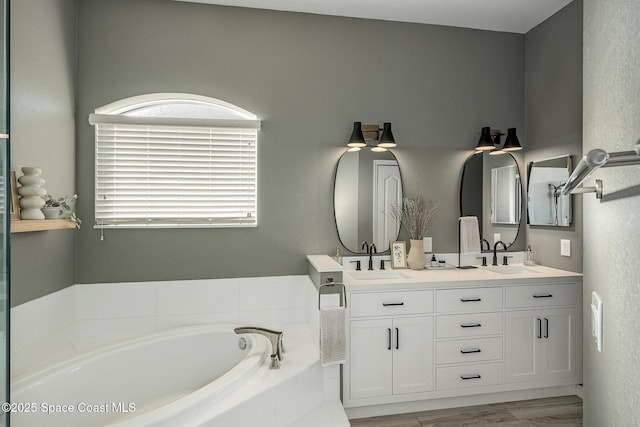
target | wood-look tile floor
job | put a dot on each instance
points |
(556, 411)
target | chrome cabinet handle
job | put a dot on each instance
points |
(543, 296)
(470, 299)
(389, 304)
(475, 350)
(470, 377)
(472, 325)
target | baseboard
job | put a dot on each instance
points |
(460, 401)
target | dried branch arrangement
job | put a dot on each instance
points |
(415, 215)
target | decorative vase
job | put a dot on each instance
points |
(53, 212)
(31, 193)
(416, 258)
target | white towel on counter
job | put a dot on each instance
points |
(333, 337)
(469, 235)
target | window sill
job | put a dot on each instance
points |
(28, 225)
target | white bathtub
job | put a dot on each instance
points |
(161, 379)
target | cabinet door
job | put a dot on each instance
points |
(370, 358)
(559, 343)
(522, 346)
(413, 355)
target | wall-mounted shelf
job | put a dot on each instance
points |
(27, 225)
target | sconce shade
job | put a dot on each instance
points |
(485, 142)
(511, 143)
(357, 139)
(386, 139)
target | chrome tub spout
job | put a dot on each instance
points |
(275, 337)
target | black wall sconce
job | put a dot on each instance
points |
(363, 133)
(490, 141)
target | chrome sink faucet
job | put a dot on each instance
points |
(371, 249)
(275, 337)
(495, 250)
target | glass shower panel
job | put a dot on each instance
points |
(5, 196)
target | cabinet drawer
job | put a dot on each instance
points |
(540, 295)
(469, 350)
(468, 325)
(452, 377)
(391, 303)
(468, 300)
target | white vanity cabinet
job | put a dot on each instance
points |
(415, 345)
(541, 341)
(390, 345)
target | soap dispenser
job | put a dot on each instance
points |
(434, 262)
(337, 257)
(529, 259)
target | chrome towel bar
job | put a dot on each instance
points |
(594, 160)
(328, 285)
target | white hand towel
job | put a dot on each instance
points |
(469, 235)
(332, 335)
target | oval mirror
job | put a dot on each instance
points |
(491, 189)
(366, 184)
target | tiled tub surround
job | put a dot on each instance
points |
(82, 318)
(444, 338)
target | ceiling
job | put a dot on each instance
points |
(516, 16)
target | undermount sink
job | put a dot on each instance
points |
(376, 274)
(512, 269)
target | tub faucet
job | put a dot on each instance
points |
(275, 337)
(495, 250)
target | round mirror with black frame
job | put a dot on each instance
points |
(366, 184)
(491, 189)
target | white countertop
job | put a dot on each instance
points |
(324, 263)
(481, 276)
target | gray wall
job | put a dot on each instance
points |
(43, 134)
(308, 77)
(611, 231)
(553, 114)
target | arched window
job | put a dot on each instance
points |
(175, 160)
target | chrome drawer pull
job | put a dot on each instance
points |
(475, 350)
(471, 325)
(388, 304)
(470, 377)
(470, 299)
(543, 296)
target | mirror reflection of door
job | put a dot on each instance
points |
(505, 195)
(387, 191)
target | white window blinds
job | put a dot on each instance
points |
(166, 175)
